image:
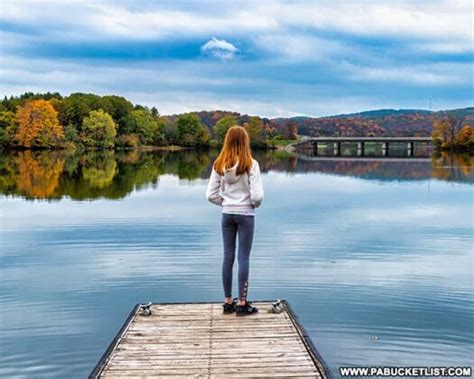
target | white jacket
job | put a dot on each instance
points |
(236, 192)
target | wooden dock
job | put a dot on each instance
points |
(197, 340)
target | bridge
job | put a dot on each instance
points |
(313, 142)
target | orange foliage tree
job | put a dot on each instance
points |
(38, 174)
(38, 125)
(465, 136)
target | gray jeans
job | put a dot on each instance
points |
(234, 225)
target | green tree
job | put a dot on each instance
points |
(76, 107)
(190, 131)
(170, 131)
(117, 106)
(14, 102)
(151, 130)
(6, 121)
(98, 130)
(70, 132)
(221, 127)
(255, 130)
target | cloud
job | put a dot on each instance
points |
(219, 48)
(426, 75)
(301, 47)
(303, 57)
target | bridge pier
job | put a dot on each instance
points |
(315, 148)
(385, 149)
(337, 148)
(360, 149)
(410, 148)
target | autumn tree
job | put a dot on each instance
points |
(38, 125)
(221, 127)
(190, 131)
(465, 137)
(292, 130)
(98, 130)
(445, 131)
(440, 132)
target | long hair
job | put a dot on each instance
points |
(236, 148)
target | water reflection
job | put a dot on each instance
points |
(114, 175)
(360, 248)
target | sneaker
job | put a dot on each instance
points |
(244, 310)
(229, 308)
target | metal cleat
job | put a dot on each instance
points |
(277, 307)
(145, 309)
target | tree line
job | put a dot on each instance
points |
(452, 133)
(81, 119)
(50, 120)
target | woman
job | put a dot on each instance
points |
(235, 184)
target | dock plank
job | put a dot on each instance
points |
(197, 340)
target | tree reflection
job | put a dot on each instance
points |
(38, 174)
(452, 167)
(99, 169)
(113, 175)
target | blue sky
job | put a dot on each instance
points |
(270, 58)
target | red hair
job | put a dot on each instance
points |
(236, 148)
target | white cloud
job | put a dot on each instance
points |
(442, 21)
(312, 58)
(182, 86)
(434, 74)
(445, 47)
(302, 47)
(219, 48)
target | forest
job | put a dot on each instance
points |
(49, 120)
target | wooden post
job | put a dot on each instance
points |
(315, 148)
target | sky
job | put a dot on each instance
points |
(262, 57)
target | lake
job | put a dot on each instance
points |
(374, 255)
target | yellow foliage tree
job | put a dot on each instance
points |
(441, 132)
(38, 125)
(465, 136)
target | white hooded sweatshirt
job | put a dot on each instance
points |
(236, 193)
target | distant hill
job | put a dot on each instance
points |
(388, 122)
(383, 113)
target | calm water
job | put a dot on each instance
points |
(376, 257)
